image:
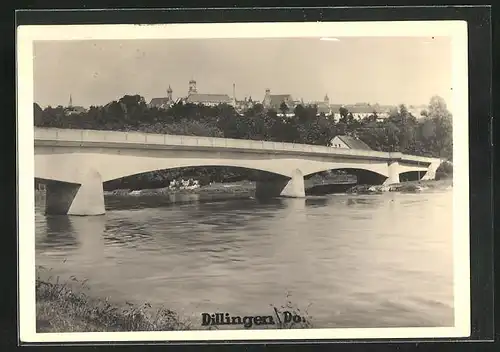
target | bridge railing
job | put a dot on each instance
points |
(140, 138)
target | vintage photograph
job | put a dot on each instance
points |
(255, 181)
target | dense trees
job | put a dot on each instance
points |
(429, 135)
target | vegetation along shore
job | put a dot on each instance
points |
(67, 306)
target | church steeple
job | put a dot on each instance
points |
(327, 100)
(70, 101)
(192, 87)
(234, 94)
(169, 92)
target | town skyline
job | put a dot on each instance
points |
(384, 71)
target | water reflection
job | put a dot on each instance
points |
(59, 233)
(89, 231)
(127, 202)
(317, 201)
(360, 261)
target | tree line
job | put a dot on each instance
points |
(426, 135)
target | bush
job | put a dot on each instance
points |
(445, 170)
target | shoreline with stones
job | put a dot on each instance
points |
(403, 187)
(248, 187)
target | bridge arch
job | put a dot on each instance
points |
(411, 175)
(372, 176)
(145, 167)
(202, 173)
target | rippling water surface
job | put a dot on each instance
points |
(354, 261)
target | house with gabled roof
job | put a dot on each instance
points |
(348, 142)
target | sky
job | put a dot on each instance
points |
(384, 70)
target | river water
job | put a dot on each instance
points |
(349, 260)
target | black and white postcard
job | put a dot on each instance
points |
(243, 181)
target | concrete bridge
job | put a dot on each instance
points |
(75, 163)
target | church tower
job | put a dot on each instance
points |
(327, 100)
(234, 95)
(169, 93)
(70, 101)
(192, 87)
(267, 98)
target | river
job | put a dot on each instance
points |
(351, 260)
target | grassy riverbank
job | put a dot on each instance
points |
(65, 307)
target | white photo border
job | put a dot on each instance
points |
(28, 34)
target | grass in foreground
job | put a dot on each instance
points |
(63, 307)
(59, 308)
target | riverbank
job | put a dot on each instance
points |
(63, 306)
(234, 188)
(404, 187)
(247, 188)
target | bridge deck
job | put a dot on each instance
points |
(66, 137)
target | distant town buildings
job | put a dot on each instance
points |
(163, 103)
(416, 110)
(74, 110)
(360, 111)
(193, 97)
(324, 107)
(245, 104)
(207, 99)
(283, 104)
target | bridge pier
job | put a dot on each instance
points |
(86, 198)
(431, 171)
(292, 188)
(393, 173)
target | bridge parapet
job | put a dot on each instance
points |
(163, 141)
(419, 159)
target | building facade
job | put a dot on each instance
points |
(163, 103)
(207, 99)
(324, 107)
(275, 101)
(193, 97)
(361, 111)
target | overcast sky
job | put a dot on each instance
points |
(388, 70)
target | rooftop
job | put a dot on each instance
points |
(197, 98)
(323, 108)
(159, 101)
(278, 99)
(360, 108)
(354, 143)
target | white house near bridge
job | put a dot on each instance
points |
(348, 142)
